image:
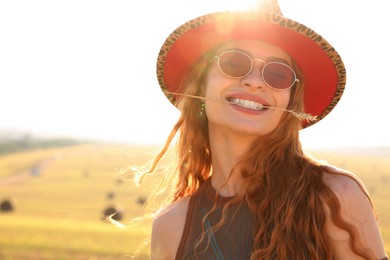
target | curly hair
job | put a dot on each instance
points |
(283, 187)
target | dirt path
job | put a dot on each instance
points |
(26, 174)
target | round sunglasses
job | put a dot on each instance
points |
(238, 64)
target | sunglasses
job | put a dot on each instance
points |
(237, 64)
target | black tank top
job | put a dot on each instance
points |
(234, 240)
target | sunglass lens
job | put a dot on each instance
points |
(235, 64)
(278, 75)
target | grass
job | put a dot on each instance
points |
(59, 212)
(67, 239)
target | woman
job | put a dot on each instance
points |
(246, 83)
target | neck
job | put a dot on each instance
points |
(227, 151)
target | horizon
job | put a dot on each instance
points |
(20, 135)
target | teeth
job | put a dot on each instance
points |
(247, 103)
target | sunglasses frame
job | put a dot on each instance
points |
(218, 57)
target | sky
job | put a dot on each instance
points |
(86, 68)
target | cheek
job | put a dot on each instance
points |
(283, 98)
(215, 83)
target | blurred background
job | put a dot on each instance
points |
(80, 104)
(87, 68)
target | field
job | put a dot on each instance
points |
(59, 195)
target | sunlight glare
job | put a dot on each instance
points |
(242, 4)
(231, 5)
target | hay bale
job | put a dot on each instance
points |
(7, 206)
(115, 212)
(141, 201)
(35, 171)
(110, 195)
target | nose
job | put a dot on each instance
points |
(254, 79)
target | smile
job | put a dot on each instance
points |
(246, 103)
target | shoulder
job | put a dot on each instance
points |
(167, 229)
(352, 195)
(355, 203)
(348, 188)
(355, 208)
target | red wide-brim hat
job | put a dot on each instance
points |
(322, 68)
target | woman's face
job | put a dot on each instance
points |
(241, 118)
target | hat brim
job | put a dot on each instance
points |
(322, 67)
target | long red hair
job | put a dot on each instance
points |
(283, 186)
